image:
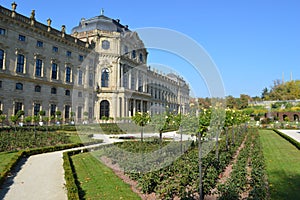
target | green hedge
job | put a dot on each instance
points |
(72, 189)
(288, 138)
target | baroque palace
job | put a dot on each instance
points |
(98, 71)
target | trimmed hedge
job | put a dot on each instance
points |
(72, 189)
(288, 138)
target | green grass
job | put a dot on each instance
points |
(6, 158)
(98, 181)
(282, 166)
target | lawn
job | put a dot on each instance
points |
(6, 158)
(282, 165)
(98, 181)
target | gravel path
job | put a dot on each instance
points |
(295, 134)
(41, 177)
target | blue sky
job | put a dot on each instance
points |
(252, 42)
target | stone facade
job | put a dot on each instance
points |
(98, 71)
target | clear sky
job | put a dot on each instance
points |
(252, 42)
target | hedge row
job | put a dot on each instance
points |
(288, 138)
(72, 189)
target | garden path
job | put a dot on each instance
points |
(38, 177)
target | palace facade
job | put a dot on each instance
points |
(98, 71)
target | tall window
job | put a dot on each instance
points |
(132, 86)
(104, 78)
(104, 109)
(54, 71)
(37, 88)
(36, 109)
(80, 57)
(20, 63)
(18, 106)
(79, 77)
(1, 59)
(140, 83)
(91, 79)
(52, 109)
(19, 86)
(141, 57)
(67, 111)
(79, 112)
(90, 112)
(133, 54)
(38, 67)
(68, 74)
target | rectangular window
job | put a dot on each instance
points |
(68, 74)
(22, 38)
(2, 31)
(18, 107)
(20, 63)
(1, 59)
(69, 53)
(79, 77)
(91, 79)
(36, 109)
(80, 57)
(54, 71)
(90, 112)
(39, 44)
(67, 111)
(38, 67)
(54, 49)
(52, 109)
(79, 94)
(79, 112)
(0, 84)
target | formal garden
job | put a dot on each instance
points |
(228, 160)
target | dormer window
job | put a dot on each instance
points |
(133, 54)
(141, 57)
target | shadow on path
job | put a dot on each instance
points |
(9, 180)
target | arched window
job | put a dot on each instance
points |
(133, 54)
(53, 90)
(37, 88)
(105, 78)
(296, 117)
(104, 109)
(19, 86)
(141, 57)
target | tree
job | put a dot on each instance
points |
(141, 119)
(15, 118)
(42, 113)
(204, 122)
(2, 119)
(265, 94)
